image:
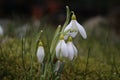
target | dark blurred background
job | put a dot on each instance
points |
(9, 8)
(54, 10)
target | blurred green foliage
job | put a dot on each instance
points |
(98, 57)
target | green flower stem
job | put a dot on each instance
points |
(55, 38)
(31, 67)
(86, 68)
(54, 42)
(67, 19)
(23, 52)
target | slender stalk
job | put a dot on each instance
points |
(115, 66)
(67, 18)
(86, 68)
(23, 52)
(31, 67)
(1, 52)
(55, 38)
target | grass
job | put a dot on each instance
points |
(98, 57)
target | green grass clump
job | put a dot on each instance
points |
(98, 58)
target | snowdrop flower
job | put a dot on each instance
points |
(57, 66)
(40, 52)
(73, 28)
(72, 50)
(1, 31)
(61, 48)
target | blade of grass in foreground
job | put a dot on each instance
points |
(23, 52)
(86, 67)
(55, 38)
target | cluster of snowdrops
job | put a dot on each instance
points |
(62, 46)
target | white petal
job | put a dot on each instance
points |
(58, 47)
(1, 31)
(75, 50)
(73, 34)
(40, 54)
(64, 49)
(73, 27)
(61, 49)
(57, 66)
(68, 26)
(81, 30)
(70, 51)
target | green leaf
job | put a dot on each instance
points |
(67, 18)
(55, 38)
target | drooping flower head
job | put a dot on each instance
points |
(61, 48)
(72, 50)
(57, 66)
(73, 28)
(40, 52)
(1, 31)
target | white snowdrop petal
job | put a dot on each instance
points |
(74, 28)
(58, 49)
(70, 51)
(75, 50)
(1, 31)
(81, 30)
(73, 34)
(66, 29)
(61, 49)
(57, 66)
(40, 54)
(64, 49)
(68, 26)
